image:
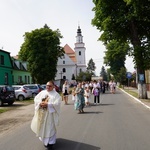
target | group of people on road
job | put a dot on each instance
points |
(112, 86)
(47, 106)
(81, 93)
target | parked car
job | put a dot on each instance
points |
(22, 92)
(55, 86)
(35, 88)
(7, 95)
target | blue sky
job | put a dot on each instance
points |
(20, 16)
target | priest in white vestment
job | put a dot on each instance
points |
(46, 117)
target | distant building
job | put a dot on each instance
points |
(74, 61)
(21, 75)
(12, 70)
(6, 68)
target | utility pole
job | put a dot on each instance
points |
(76, 70)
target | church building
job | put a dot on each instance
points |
(73, 61)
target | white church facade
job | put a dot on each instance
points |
(74, 61)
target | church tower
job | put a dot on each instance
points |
(80, 52)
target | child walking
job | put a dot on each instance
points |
(87, 96)
(74, 97)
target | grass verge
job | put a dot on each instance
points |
(2, 110)
(132, 93)
(135, 94)
(15, 105)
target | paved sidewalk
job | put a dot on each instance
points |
(145, 103)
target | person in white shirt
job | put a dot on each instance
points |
(87, 96)
(65, 92)
(112, 86)
(96, 92)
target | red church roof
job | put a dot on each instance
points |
(68, 49)
(70, 52)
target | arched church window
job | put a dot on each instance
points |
(79, 52)
(64, 69)
(64, 77)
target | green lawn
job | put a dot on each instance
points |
(23, 103)
(132, 93)
(136, 96)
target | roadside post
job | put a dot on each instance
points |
(141, 78)
(129, 75)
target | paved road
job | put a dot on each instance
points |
(119, 123)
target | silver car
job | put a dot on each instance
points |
(35, 88)
(21, 92)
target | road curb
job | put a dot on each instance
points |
(136, 99)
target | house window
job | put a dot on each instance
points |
(64, 77)
(64, 70)
(25, 79)
(13, 79)
(19, 79)
(63, 62)
(80, 70)
(28, 79)
(6, 78)
(21, 67)
(79, 52)
(1, 59)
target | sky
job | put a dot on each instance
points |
(20, 16)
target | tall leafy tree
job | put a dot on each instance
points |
(126, 20)
(103, 73)
(84, 76)
(108, 74)
(91, 66)
(115, 55)
(41, 49)
(121, 76)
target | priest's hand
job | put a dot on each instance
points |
(43, 104)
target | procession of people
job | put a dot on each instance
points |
(83, 91)
(47, 106)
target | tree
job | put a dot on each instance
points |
(91, 66)
(108, 74)
(121, 76)
(115, 55)
(103, 74)
(127, 21)
(84, 76)
(41, 49)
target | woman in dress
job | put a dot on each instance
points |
(80, 98)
